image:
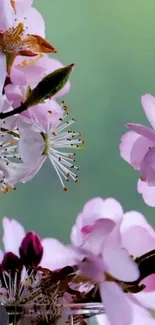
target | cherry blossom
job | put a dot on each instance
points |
(129, 235)
(138, 149)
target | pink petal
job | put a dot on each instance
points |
(147, 167)
(133, 148)
(23, 4)
(138, 241)
(40, 114)
(28, 74)
(102, 319)
(147, 299)
(17, 77)
(94, 240)
(32, 15)
(141, 316)
(142, 130)
(148, 103)
(116, 304)
(31, 143)
(134, 218)
(7, 15)
(149, 282)
(93, 210)
(117, 259)
(14, 94)
(13, 235)
(148, 192)
(93, 269)
(56, 255)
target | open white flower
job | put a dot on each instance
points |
(45, 135)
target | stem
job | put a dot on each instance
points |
(17, 110)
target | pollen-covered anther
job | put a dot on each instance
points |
(49, 112)
(80, 133)
(65, 189)
(65, 107)
(70, 156)
(6, 189)
(54, 134)
(12, 142)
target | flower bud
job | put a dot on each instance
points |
(12, 264)
(49, 86)
(31, 250)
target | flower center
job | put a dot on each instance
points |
(12, 39)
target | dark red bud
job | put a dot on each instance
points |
(31, 250)
(12, 264)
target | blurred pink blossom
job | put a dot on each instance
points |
(138, 149)
(108, 249)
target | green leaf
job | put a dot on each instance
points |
(49, 86)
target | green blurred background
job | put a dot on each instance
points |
(113, 46)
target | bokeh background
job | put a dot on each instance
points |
(113, 46)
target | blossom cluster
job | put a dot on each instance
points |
(30, 83)
(109, 260)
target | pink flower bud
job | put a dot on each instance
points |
(31, 250)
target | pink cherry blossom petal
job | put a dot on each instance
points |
(147, 299)
(140, 314)
(28, 152)
(148, 103)
(142, 130)
(17, 77)
(7, 15)
(138, 241)
(94, 240)
(13, 235)
(147, 167)
(149, 283)
(133, 219)
(93, 210)
(23, 4)
(31, 15)
(102, 319)
(116, 304)
(48, 113)
(148, 192)
(56, 255)
(28, 74)
(93, 269)
(14, 94)
(117, 259)
(133, 148)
